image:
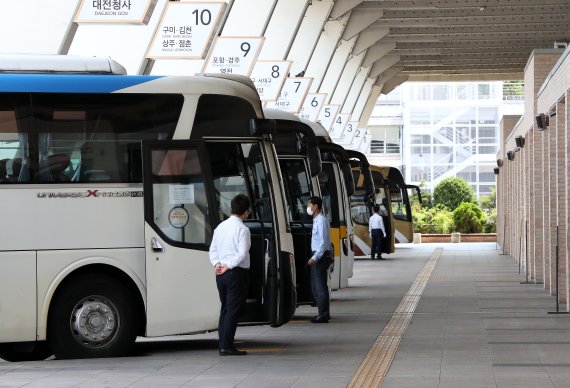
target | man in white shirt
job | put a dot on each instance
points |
(377, 232)
(320, 259)
(229, 254)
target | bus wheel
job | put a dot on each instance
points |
(93, 316)
(37, 352)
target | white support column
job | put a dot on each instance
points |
(369, 37)
(341, 7)
(336, 67)
(346, 79)
(308, 34)
(360, 19)
(370, 104)
(355, 89)
(257, 13)
(383, 64)
(361, 102)
(394, 83)
(379, 50)
(388, 75)
(282, 28)
(326, 46)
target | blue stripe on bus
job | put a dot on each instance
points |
(60, 83)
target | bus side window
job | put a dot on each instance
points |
(14, 148)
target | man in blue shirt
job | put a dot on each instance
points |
(320, 259)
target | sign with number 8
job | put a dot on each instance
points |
(268, 77)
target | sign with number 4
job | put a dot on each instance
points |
(339, 124)
(233, 55)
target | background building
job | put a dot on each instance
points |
(433, 131)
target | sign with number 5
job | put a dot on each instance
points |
(233, 55)
(327, 115)
(312, 106)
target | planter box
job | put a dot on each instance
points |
(465, 238)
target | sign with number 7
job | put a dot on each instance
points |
(292, 95)
(233, 55)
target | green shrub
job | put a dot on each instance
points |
(435, 220)
(451, 192)
(468, 218)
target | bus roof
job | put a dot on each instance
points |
(59, 64)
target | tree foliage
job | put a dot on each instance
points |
(468, 218)
(451, 192)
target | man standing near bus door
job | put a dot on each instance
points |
(320, 259)
(229, 254)
(377, 232)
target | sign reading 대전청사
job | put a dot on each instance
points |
(185, 30)
(338, 125)
(327, 115)
(312, 106)
(268, 77)
(292, 95)
(348, 133)
(115, 11)
(233, 55)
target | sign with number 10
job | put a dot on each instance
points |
(185, 30)
(233, 55)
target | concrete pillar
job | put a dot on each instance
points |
(561, 204)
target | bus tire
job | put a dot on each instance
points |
(92, 316)
(13, 352)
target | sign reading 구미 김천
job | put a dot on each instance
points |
(268, 77)
(312, 106)
(292, 95)
(185, 30)
(115, 11)
(233, 55)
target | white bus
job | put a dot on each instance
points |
(110, 188)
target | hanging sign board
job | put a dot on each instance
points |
(339, 124)
(327, 115)
(292, 95)
(233, 55)
(115, 11)
(185, 30)
(348, 133)
(268, 77)
(357, 140)
(365, 145)
(312, 106)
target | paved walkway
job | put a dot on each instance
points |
(474, 326)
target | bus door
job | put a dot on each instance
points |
(240, 167)
(361, 202)
(401, 214)
(178, 193)
(298, 191)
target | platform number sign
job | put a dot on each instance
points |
(338, 125)
(185, 30)
(292, 95)
(268, 77)
(233, 55)
(312, 106)
(348, 133)
(327, 115)
(365, 145)
(358, 137)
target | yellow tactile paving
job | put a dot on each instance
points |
(377, 362)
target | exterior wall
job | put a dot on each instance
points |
(533, 188)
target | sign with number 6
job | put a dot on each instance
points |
(312, 106)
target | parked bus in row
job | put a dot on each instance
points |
(110, 189)
(391, 194)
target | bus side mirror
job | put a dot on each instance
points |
(418, 191)
(262, 126)
(314, 156)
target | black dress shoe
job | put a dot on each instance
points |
(232, 352)
(318, 319)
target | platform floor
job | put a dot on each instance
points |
(474, 325)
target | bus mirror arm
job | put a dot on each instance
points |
(306, 143)
(365, 170)
(418, 191)
(344, 164)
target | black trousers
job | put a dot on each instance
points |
(319, 284)
(232, 287)
(377, 237)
